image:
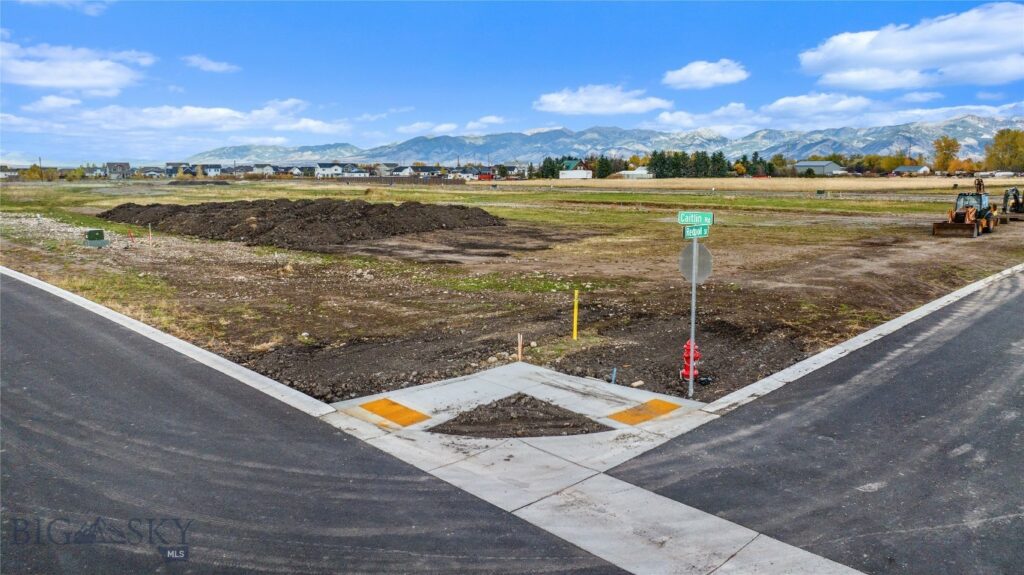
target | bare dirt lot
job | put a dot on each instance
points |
(793, 274)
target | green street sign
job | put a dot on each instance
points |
(691, 232)
(696, 218)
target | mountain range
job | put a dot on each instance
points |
(973, 133)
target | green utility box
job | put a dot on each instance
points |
(95, 239)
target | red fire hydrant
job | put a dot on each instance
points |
(689, 348)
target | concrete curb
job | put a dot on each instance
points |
(278, 391)
(796, 371)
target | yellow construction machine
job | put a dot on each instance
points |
(971, 216)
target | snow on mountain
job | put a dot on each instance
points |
(973, 133)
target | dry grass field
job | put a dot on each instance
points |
(843, 184)
(793, 273)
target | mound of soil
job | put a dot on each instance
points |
(198, 183)
(519, 415)
(313, 225)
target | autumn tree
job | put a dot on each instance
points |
(946, 150)
(739, 168)
(1006, 152)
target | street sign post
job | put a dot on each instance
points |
(694, 232)
(696, 218)
(698, 225)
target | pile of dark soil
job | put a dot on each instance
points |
(314, 225)
(519, 415)
(198, 183)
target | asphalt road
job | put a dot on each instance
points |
(906, 456)
(99, 422)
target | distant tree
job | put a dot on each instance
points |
(1006, 152)
(199, 171)
(719, 165)
(809, 173)
(75, 174)
(39, 174)
(502, 171)
(779, 161)
(946, 150)
(739, 168)
(529, 171)
(419, 163)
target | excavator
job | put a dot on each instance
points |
(972, 215)
(1013, 206)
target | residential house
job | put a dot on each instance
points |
(263, 169)
(574, 170)
(6, 172)
(403, 172)
(242, 171)
(426, 171)
(172, 168)
(151, 172)
(118, 170)
(384, 169)
(211, 170)
(327, 170)
(912, 171)
(95, 172)
(819, 168)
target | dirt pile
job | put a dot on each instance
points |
(314, 225)
(519, 415)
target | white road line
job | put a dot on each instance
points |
(796, 371)
(278, 391)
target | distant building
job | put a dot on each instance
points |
(574, 170)
(263, 169)
(172, 168)
(912, 170)
(640, 173)
(819, 167)
(328, 170)
(384, 168)
(151, 172)
(211, 170)
(119, 170)
(6, 172)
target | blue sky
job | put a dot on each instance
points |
(94, 81)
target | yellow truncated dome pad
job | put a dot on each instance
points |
(395, 412)
(644, 411)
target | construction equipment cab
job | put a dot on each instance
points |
(1012, 202)
(973, 209)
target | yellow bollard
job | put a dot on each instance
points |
(575, 312)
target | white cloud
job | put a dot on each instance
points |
(732, 120)
(87, 7)
(599, 99)
(207, 65)
(382, 115)
(49, 103)
(427, 128)
(261, 140)
(13, 123)
(314, 126)
(703, 74)
(815, 104)
(484, 122)
(918, 97)
(980, 46)
(990, 95)
(94, 72)
(175, 88)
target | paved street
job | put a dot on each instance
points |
(100, 422)
(905, 456)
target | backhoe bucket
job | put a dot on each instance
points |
(951, 230)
